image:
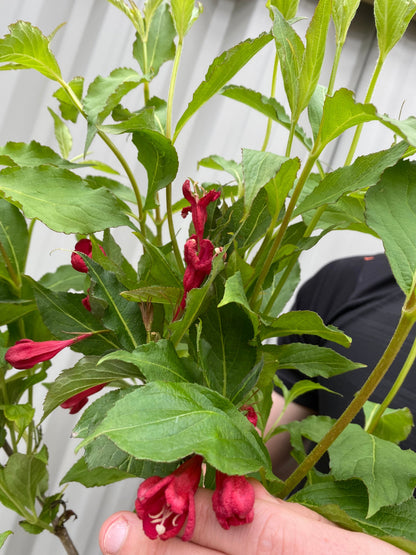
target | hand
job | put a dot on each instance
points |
(279, 527)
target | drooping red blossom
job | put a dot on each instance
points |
(198, 207)
(164, 504)
(25, 353)
(84, 246)
(198, 266)
(250, 413)
(233, 500)
(86, 303)
(76, 402)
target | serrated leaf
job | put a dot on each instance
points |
(220, 72)
(25, 47)
(63, 279)
(234, 293)
(168, 421)
(85, 374)
(159, 46)
(182, 15)
(363, 173)
(156, 361)
(311, 360)
(14, 241)
(391, 212)
(259, 168)
(20, 415)
(61, 199)
(32, 154)
(160, 160)
(388, 472)
(216, 162)
(267, 106)
(392, 21)
(288, 8)
(154, 294)
(343, 12)
(304, 322)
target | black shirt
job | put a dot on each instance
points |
(360, 296)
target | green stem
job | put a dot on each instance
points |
(334, 68)
(117, 154)
(403, 328)
(367, 99)
(394, 389)
(272, 94)
(283, 226)
(169, 212)
(290, 138)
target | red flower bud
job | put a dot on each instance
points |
(233, 500)
(84, 246)
(251, 414)
(25, 353)
(76, 402)
(164, 504)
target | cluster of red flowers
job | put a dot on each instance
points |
(165, 504)
(198, 252)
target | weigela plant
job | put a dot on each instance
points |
(183, 349)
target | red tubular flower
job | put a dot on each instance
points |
(25, 353)
(233, 500)
(164, 504)
(198, 207)
(251, 414)
(198, 266)
(76, 402)
(84, 246)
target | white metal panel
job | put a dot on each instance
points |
(97, 38)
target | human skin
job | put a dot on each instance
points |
(278, 528)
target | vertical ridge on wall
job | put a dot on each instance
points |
(97, 38)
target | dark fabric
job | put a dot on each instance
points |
(358, 295)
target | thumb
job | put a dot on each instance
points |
(119, 534)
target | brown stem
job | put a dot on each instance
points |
(61, 532)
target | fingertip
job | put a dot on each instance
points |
(116, 532)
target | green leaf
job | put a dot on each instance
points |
(216, 162)
(62, 135)
(290, 50)
(168, 421)
(311, 360)
(14, 242)
(395, 425)
(160, 160)
(99, 476)
(363, 173)
(219, 343)
(31, 155)
(388, 472)
(313, 54)
(63, 313)
(104, 93)
(304, 386)
(63, 279)
(67, 108)
(19, 481)
(301, 322)
(392, 21)
(156, 361)
(153, 293)
(339, 114)
(316, 108)
(4, 536)
(313, 428)
(21, 415)
(346, 503)
(234, 293)
(259, 168)
(288, 8)
(121, 316)
(343, 12)
(159, 46)
(220, 72)
(267, 106)
(391, 213)
(85, 374)
(182, 11)
(61, 200)
(27, 48)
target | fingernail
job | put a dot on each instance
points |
(115, 536)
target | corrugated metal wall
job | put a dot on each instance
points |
(96, 39)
